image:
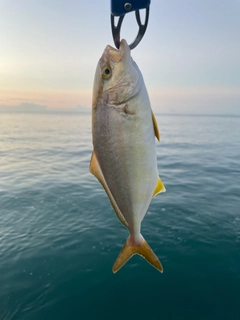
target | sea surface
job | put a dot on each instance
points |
(59, 235)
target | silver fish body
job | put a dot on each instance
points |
(124, 157)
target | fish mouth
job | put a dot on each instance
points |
(117, 55)
(124, 47)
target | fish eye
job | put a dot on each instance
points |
(106, 72)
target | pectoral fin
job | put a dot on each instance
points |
(159, 187)
(155, 126)
(95, 169)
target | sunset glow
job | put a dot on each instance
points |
(189, 57)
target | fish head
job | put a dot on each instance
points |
(117, 76)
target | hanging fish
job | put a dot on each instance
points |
(124, 156)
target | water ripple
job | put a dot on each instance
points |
(59, 236)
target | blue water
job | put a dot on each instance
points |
(59, 236)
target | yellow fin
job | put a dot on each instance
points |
(97, 172)
(143, 249)
(159, 187)
(155, 126)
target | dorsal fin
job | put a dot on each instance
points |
(159, 187)
(95, 169)
(155, 126)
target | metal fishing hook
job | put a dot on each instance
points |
(120, 8)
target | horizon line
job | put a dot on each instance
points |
(88, 111)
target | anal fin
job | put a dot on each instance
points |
(95, 169)
(159, 187)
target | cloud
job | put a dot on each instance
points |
(27, 107)
(53, 99)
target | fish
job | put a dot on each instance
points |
(124, 159)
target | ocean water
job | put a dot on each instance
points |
(59, 235)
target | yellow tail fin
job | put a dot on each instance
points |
(143, 249)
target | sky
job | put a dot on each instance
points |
(189, 56)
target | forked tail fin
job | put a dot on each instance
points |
(142, 248)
